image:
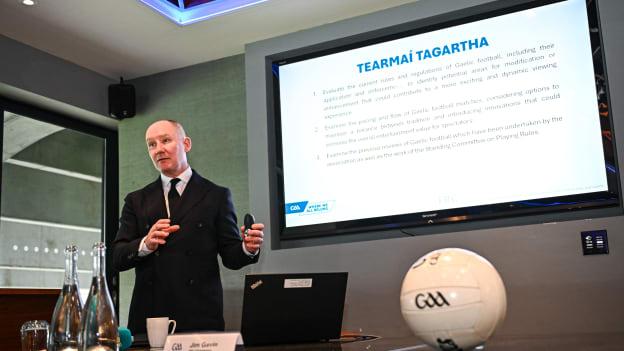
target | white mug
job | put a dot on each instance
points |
(158, 329)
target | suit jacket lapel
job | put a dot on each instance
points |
(155, 208)
(195, 190)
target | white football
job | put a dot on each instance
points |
(453, 299)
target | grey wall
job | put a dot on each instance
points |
(38, 72)
(551, 287)
(36, 78)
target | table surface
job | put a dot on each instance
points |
(573, 342)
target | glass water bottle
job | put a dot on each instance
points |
(98, 328)
(68, 311)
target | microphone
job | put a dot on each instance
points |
(125, 338)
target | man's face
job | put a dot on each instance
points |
(167, 148)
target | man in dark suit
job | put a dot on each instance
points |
(171, 232)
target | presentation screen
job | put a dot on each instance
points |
(498, 114)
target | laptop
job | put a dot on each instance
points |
(292, 307)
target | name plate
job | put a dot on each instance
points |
(203, 341)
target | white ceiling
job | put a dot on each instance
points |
(126, 38)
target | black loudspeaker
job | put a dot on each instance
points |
(121, 100)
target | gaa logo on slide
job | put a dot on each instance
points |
(430, 300)
(296, 207)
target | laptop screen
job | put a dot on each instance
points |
(292, 307)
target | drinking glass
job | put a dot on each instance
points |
(35, 336)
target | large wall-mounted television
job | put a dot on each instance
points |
(491, 113)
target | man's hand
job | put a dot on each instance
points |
(253, 237)
(159, 232)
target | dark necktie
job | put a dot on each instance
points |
(173, 197)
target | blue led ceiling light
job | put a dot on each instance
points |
(184, 12)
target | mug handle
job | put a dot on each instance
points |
(174, 326)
